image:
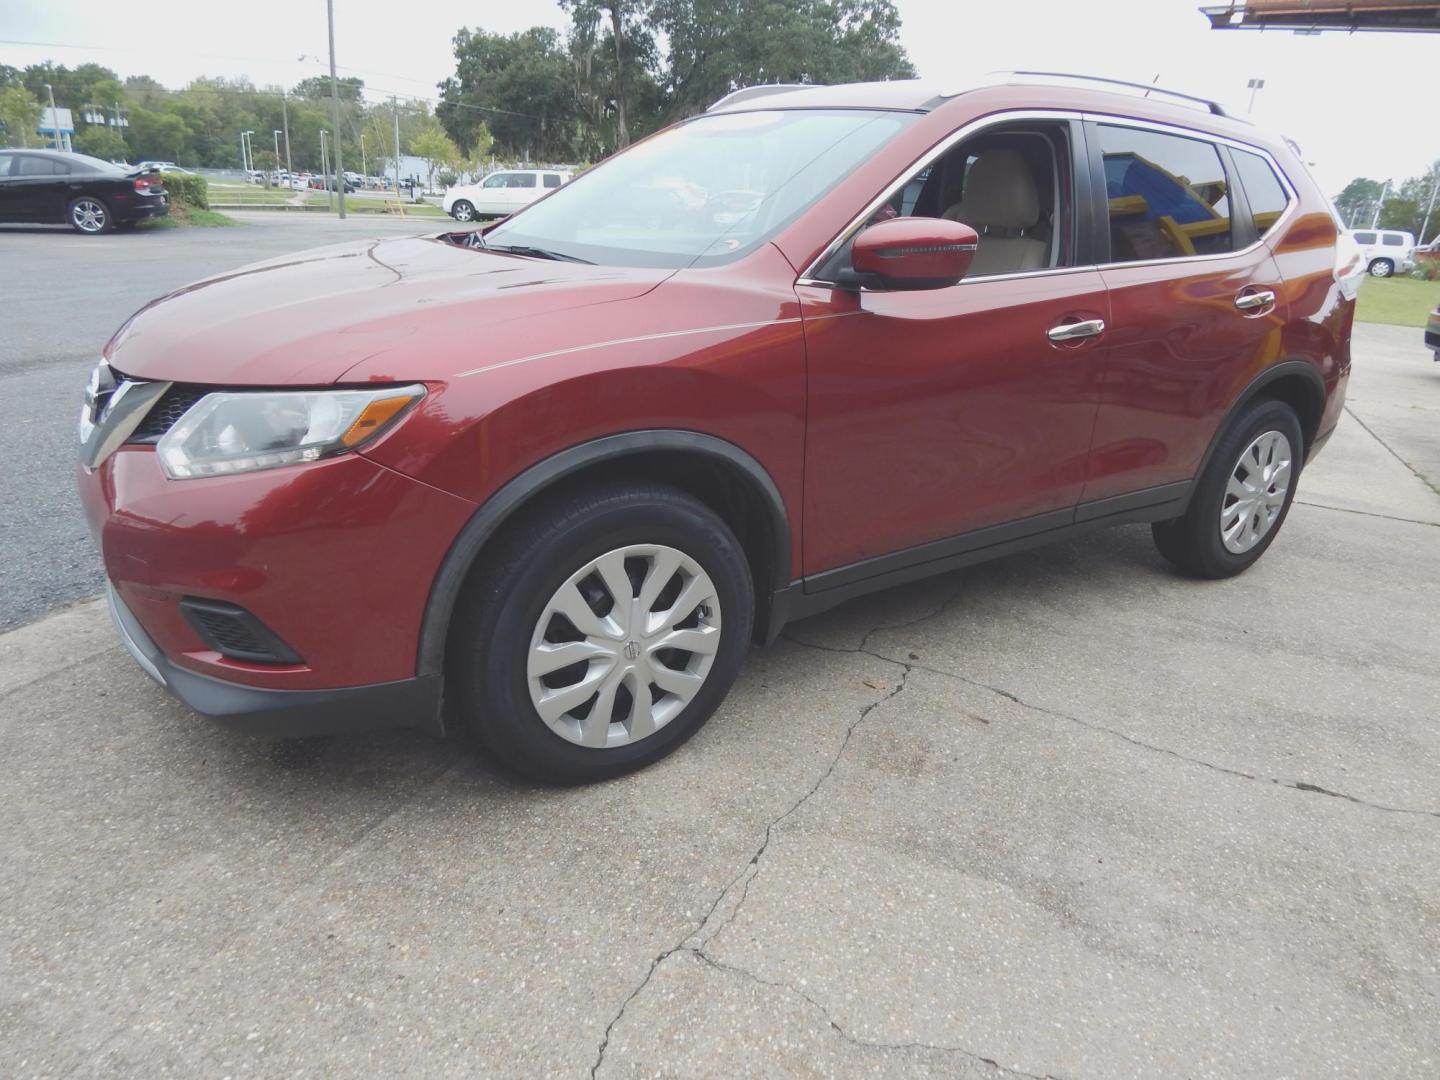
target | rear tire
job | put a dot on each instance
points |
(89, 215)
(633, 555)
(1241, 499)
(1381, 268)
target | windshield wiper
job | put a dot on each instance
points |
(537, 253)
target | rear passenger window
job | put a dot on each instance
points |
(1167, 195)
(552, 180)
(1263, 189)
(1365, 238)
(39, 166)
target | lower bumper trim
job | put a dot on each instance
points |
(413, 703)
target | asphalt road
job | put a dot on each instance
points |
(1062, 815)
(64, 295)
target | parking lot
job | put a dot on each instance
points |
(1062, 815)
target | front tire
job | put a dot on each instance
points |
(602, 633)
(463, 210)
(1242, 498)
(89, 215)
(1381, 268)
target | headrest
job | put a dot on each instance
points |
(1000, 192)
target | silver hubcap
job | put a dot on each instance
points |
(624, 645)
(1256, 492)
(88, 215)
(462, 212)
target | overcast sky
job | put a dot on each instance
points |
(1362, 104)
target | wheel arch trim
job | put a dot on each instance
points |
(1271, 375)
(521, 489)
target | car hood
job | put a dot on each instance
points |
(308, 318)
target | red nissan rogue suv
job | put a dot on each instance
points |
(562, 471)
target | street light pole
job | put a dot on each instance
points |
(364, 170)
(1434, 183)
(277, 148)
(285, 124)
(335, 98)
(1255, 86)
(325, 166)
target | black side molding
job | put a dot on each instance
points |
(820, 592)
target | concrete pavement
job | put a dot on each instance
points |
(1062, 815)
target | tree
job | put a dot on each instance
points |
(317, 88)
(720, 45)
(102, 142)
(19, 116)
(518, 86)
(437, 150)
(1359, 197)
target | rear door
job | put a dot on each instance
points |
(39, 184)
(1196, 309)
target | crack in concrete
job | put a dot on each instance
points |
(1369, 513)
(1371, 432)
(855, 1040)
(1294, 785)
(748, 872)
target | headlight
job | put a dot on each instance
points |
(234, 432)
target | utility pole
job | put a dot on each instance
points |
(1380, 205)
(335, 97)
(285, 124)
(54, 117)
(364, 170)
(244, 161)
(395, 106)
(277, 149)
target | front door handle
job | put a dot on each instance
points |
(1251, 301)
(1076, 330)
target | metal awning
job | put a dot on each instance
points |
(1315, 16)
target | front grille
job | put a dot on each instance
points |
(235, 633)
(166, 412)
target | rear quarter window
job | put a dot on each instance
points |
(1263, 190)
(1392, 240)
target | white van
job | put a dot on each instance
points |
(1386, 250)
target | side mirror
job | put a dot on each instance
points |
(912, 253)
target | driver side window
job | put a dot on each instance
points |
(1011, 184)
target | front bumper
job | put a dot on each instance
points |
(413, 702)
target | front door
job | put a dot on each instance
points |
(938, 413)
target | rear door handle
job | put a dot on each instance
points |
(1251, 301)
(1074, 331)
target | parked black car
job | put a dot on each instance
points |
(89, 195)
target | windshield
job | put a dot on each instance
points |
(702, 193)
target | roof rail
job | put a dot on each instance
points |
(745, 93)
(1211, 106)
